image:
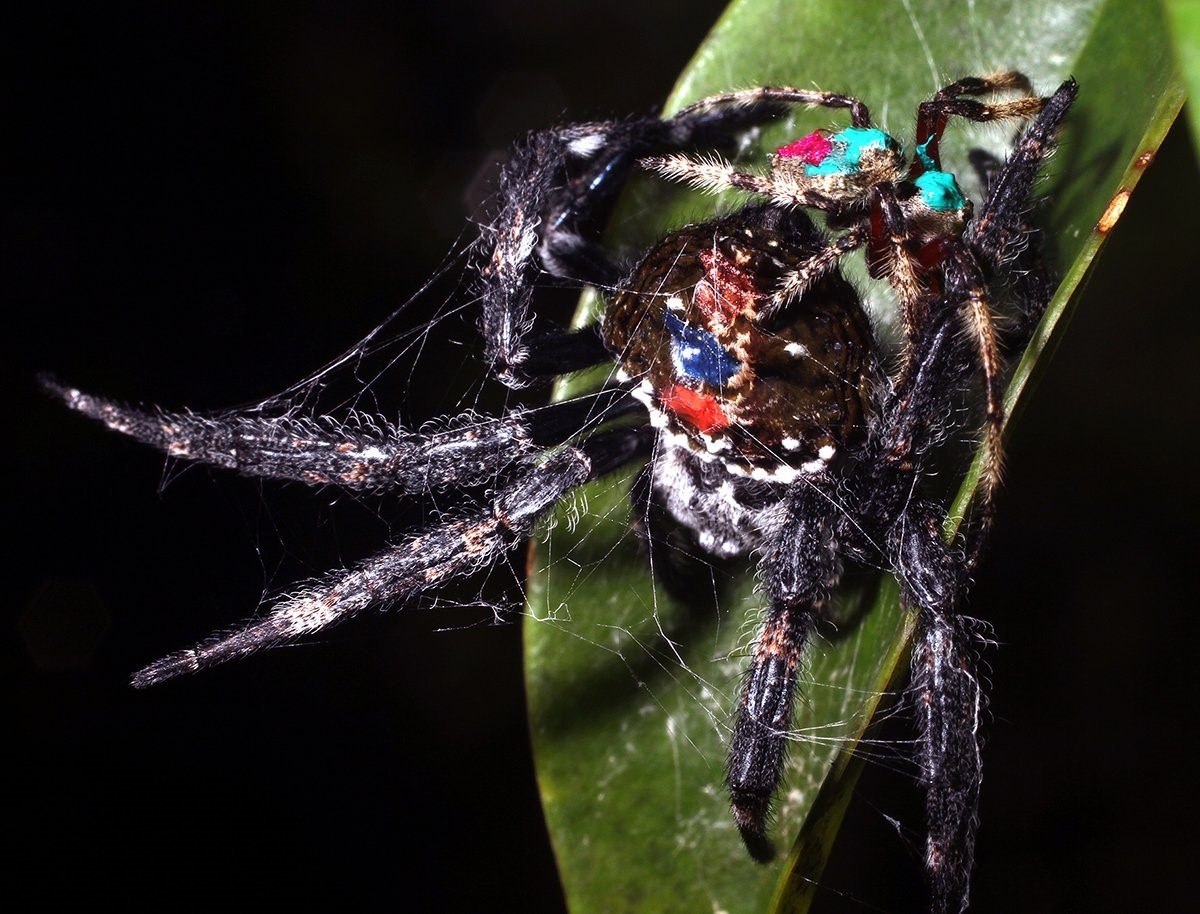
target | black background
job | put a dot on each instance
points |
(208, 201)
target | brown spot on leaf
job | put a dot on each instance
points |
(1116, 206)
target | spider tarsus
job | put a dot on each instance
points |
(173, 665)
(50, 384)
(751, 814)
(71, 397)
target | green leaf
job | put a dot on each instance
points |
(630, 693)
(1184, 19)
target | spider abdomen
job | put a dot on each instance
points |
(770, 391)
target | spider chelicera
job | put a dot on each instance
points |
(747, 379)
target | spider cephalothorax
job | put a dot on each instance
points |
(746, 382)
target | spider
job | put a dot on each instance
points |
(747, 382)
(913, 218)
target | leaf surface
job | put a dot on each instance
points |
(630, 693)
(1184, 19)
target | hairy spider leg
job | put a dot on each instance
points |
(1000, 235)
(912, 421)
(859, 115)
(949, 701)
(789, 187)
(712, 174)
(422, 562)
(1000, 227)
(991, 241)
(795, 283)
(554, 188)
(1023, 260)
(898, 263)
(932, 118)
(967, 293)
(932, 115)
(799, 568)
(934, 578)
(363, 453)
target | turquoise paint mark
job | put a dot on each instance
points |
(940, 191)
(848, 148)
(926, 159)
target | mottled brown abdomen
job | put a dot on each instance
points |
(769, 390)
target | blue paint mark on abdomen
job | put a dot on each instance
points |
(697, 354)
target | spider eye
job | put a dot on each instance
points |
(811, 149)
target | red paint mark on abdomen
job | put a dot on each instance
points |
(698, 410)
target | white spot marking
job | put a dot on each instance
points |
(679, 353)
(715, 445)
(586, 146)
